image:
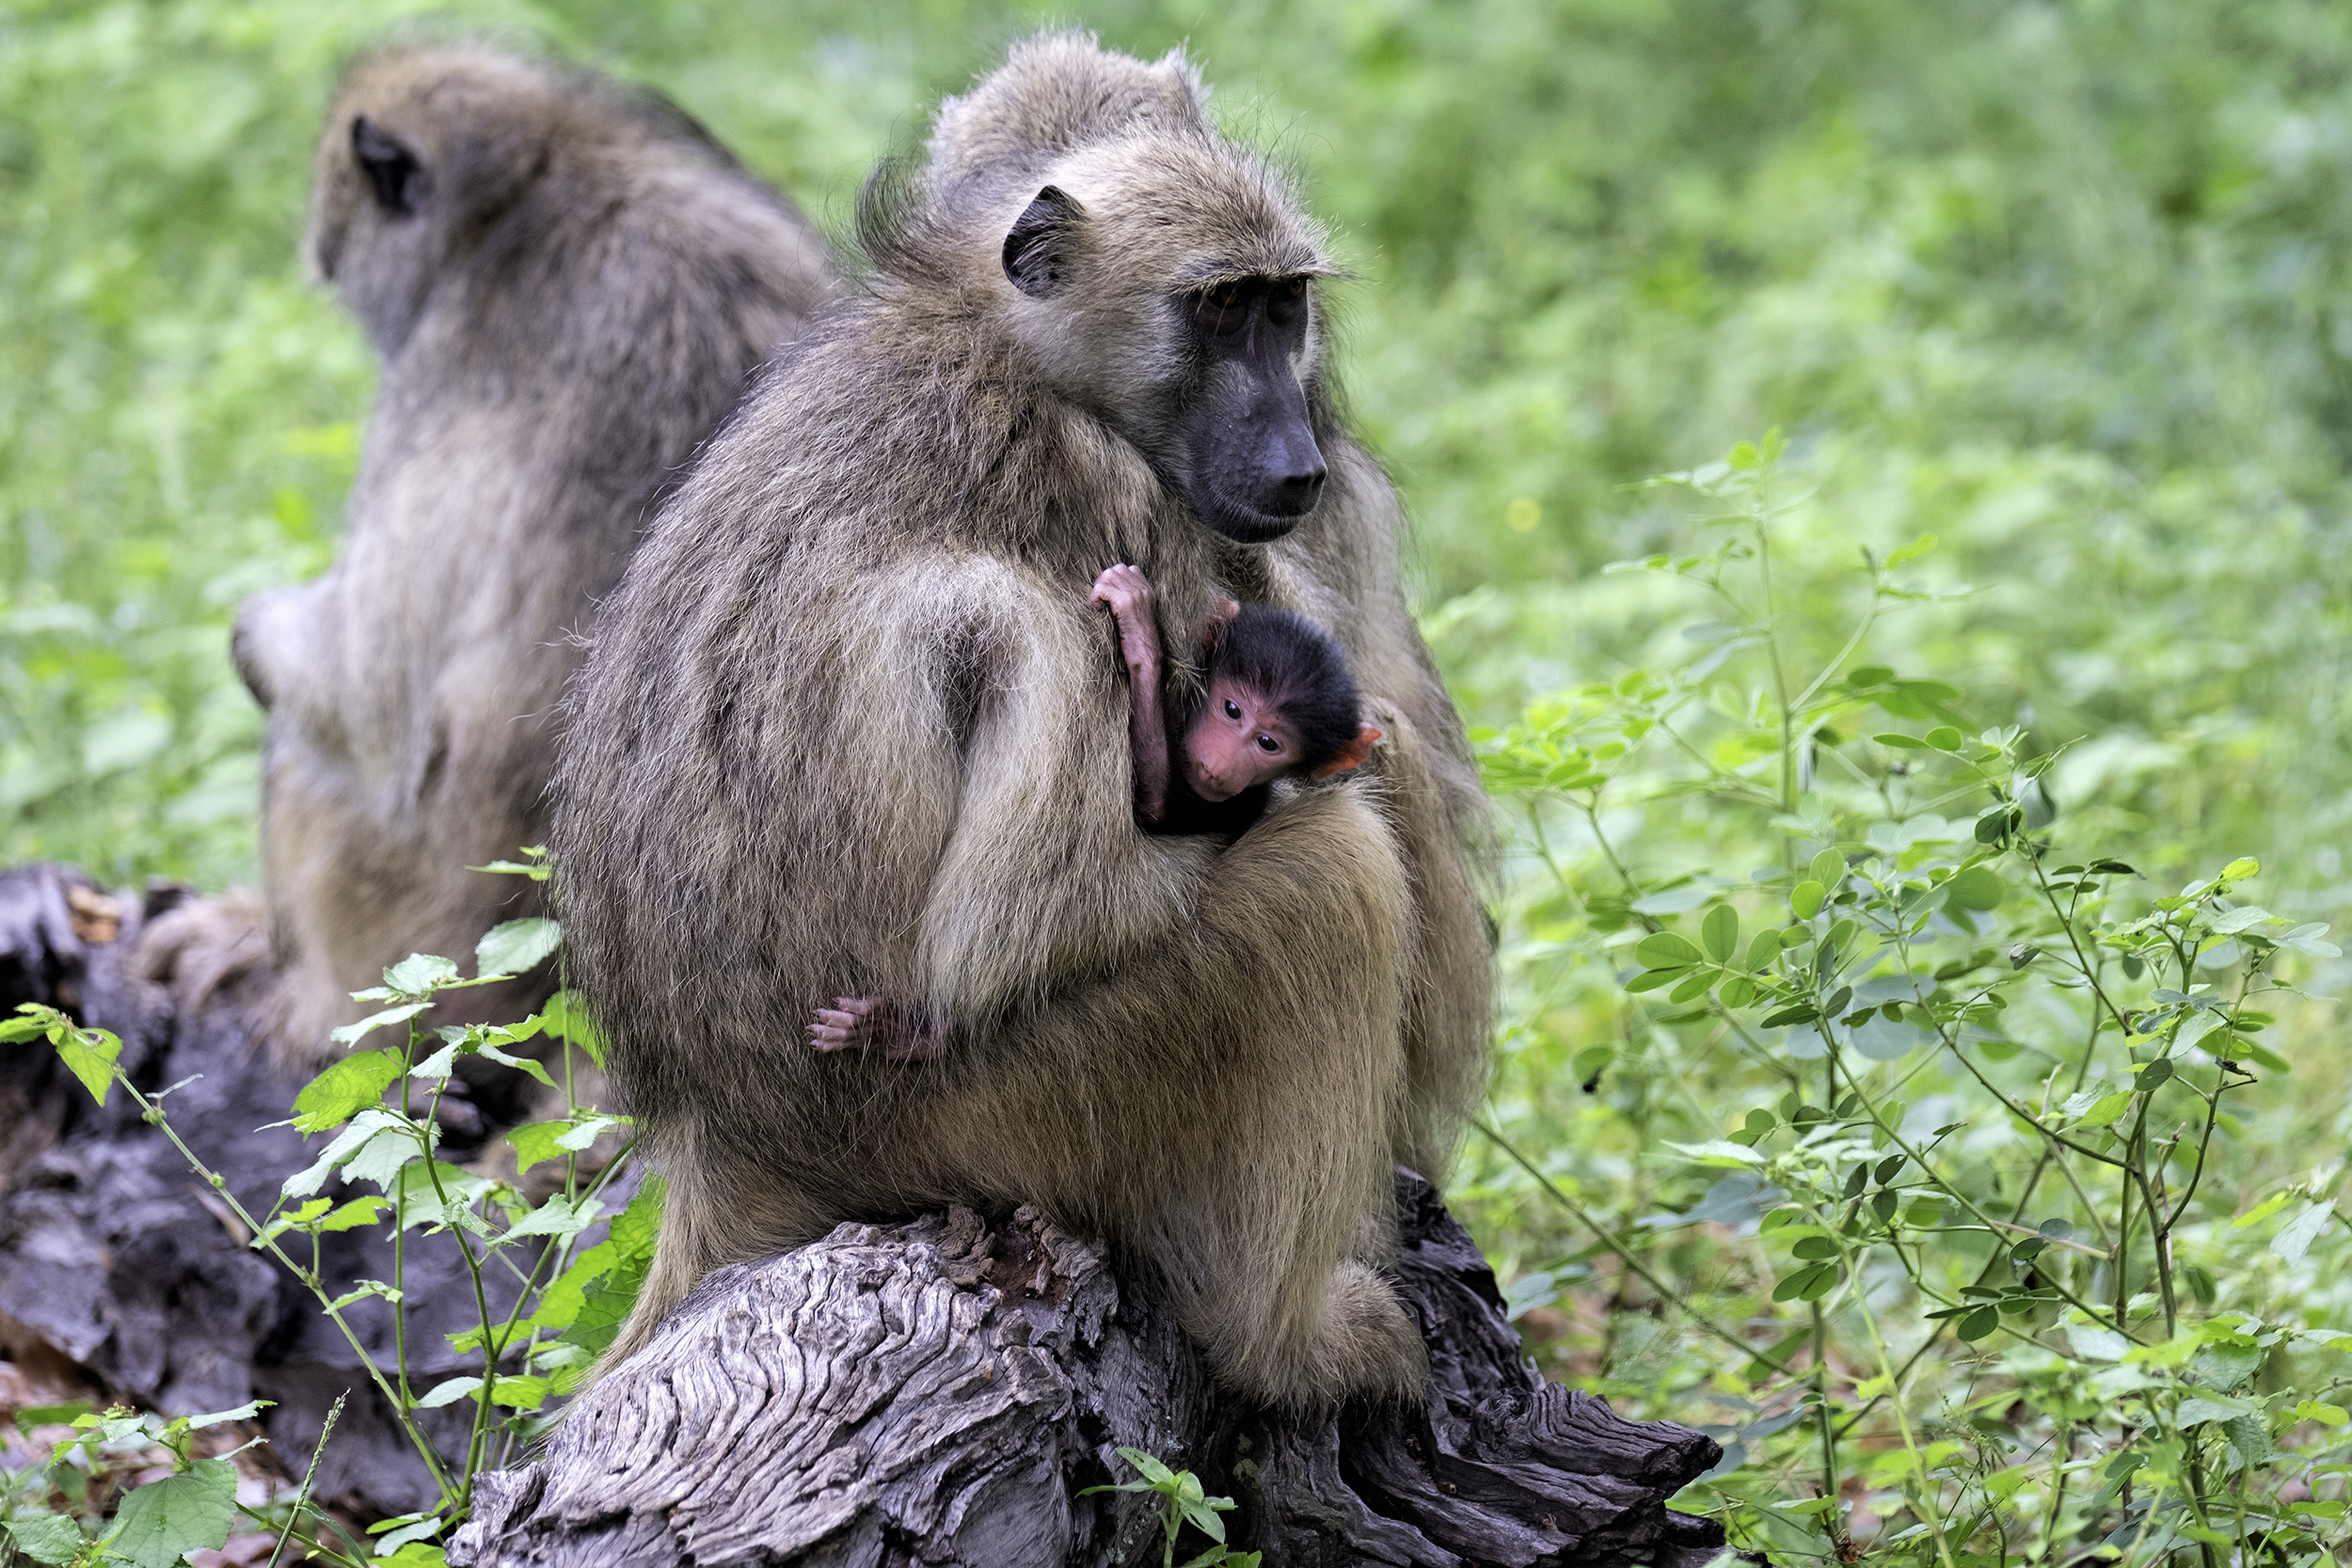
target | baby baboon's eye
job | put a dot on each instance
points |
(1267, 743)
(1232, 709)
(1286, 301)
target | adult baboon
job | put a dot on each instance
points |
(858, 731)
(569, 283)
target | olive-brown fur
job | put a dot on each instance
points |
(573, 286)
(858, 731)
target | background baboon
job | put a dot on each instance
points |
(858, 729)
(569, 283)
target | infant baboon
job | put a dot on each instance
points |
(569, 284)
(857, 734)
(1274, 700)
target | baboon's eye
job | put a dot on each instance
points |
(1232, 709)
(1267, 743)
(1223, 310)
(1286, 301)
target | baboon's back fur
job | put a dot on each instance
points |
(857, 730)
(584, 289)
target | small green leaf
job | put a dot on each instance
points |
(351, 1034)
(89, 1054)
(1828, 869)
(1720, 932)
(420, 973)
(535, 1143)
(345, 1089)
(516, 946)
(1763, 950)
(352, 1215)
(2105, 1111)
(2240, 869)
(1976, 887)
(1978, 1323)
(1665, 950)
(1943, 739)
(1804, 900)
(449, 1392)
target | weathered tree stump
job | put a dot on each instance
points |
(116, 1257)
(938, 1391)
(941, 1392)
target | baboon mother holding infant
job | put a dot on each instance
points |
(859, 731)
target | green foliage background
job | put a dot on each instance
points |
(2066, 285)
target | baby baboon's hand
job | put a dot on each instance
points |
(870, 1023)
(1127, 592)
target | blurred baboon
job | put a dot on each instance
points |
(858, 731)
(569, 283)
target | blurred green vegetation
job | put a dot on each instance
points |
(2066, 285)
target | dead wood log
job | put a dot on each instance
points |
(939, 1391)
(943, 1391)
(114, 1256)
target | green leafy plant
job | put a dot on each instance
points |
(377, 1109)
(1987, 1087)
(1188, 1504)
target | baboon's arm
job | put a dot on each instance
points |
(1045, 879)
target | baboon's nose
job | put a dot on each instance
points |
(1297, 494)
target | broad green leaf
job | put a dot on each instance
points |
(1665, 950)
(1976, 887)
(521, 1393)
(352, 1215)
(1717, 1151)
(1147, 1467)
(2320, 1411)
(366, 1126)
(581, 1137)
(1978, 1324)
(2241, 870)
(351, 1034)
(1763, 950)
(345, 1089)
(516, 946)
(48, 1539)
(565, 1016)
(420, 974)
(164, 1520)
(2234, 921)
(2105, 1111)
(2210, 1407)
(1804, 900)
(557, 1217)
(449, 1392)
(1720, 932)
(89, 1054)
(535, 1143)
(1675, 900)
(2295, 1238)
(1828, 869)
(2261, 1210)
(426, 1189)
(423, 1530)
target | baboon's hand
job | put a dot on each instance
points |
(1127, 594)
(870, 1023)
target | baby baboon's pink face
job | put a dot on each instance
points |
(1241, 739)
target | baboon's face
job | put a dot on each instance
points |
(1250, 465)
(1209, 378)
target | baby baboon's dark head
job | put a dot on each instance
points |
(1158, 274)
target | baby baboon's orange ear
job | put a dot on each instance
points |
(1352, 758)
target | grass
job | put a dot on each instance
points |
(2061, 285)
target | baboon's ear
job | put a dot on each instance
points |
(1354, 755)
(1037, 252)
(392, 166)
